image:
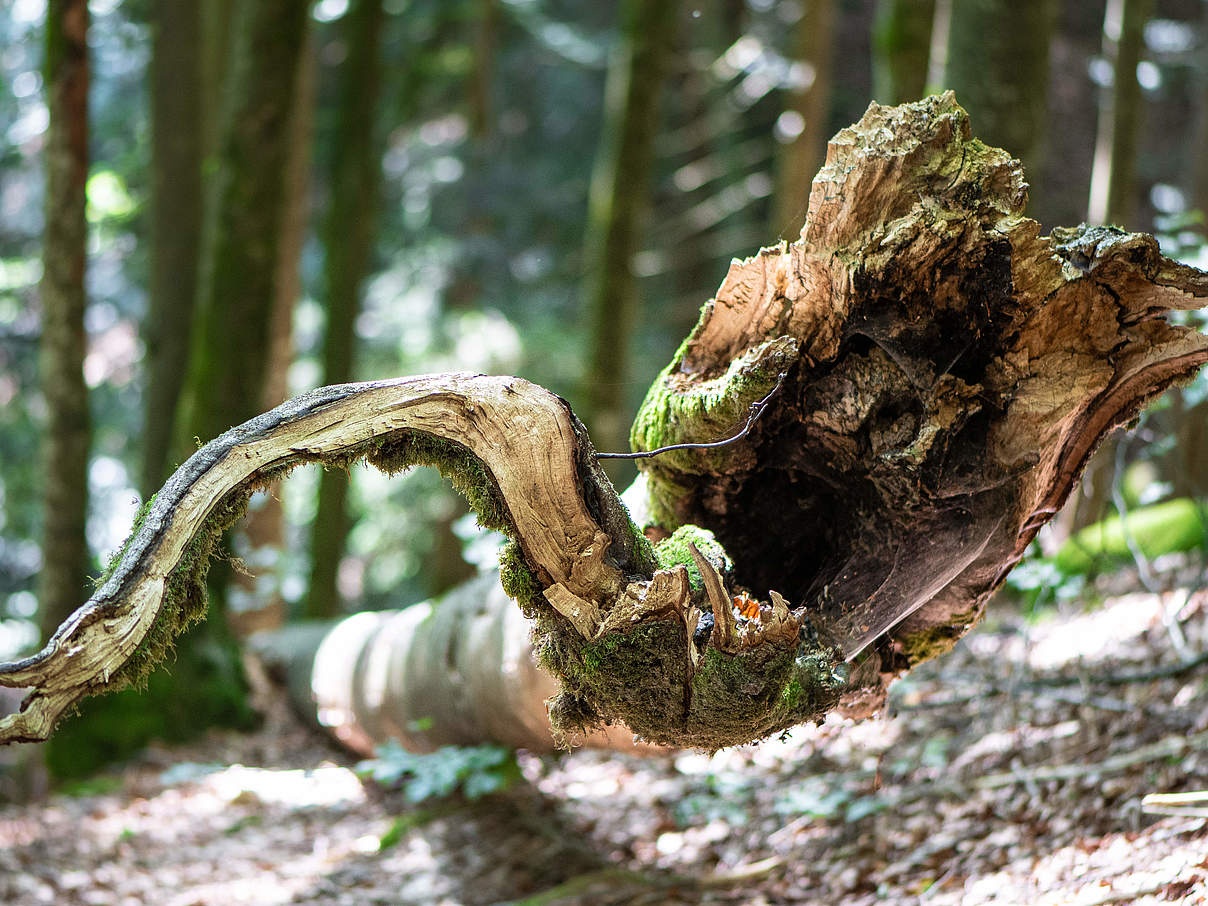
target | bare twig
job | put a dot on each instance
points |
(756, 410)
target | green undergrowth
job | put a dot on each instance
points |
(201, 686)
(469, 771)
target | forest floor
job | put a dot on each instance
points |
(1010, 771)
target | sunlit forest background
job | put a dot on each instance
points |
(281, 195)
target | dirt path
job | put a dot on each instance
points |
(1010, 772)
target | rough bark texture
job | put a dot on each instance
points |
(68, 432)
(348, 242)
(951, 371)
(939, 374)
(176, 157)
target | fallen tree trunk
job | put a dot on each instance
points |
(935, 374)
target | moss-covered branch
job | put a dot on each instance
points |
(605, 614)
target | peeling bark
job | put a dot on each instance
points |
(944, 373)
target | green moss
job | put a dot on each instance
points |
(519, 581)
(751, 694)
(673, 551)
(936, 640)
(456, 463)
(184, 600)
(139, 518)
(710, 410)
(637, 676)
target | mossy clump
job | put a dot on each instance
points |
(637, 676)
(707, 411)
(673, 551)
(737, 698)
(934, 640)
(465, 471)
(519, 581)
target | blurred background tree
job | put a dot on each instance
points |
(467, 160)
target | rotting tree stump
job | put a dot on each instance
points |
(940, 373)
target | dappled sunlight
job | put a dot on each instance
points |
(1093, 637)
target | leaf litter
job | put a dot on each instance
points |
(1010, 771)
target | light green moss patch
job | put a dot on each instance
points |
(710, 410)
(935, 640)
(673, 551)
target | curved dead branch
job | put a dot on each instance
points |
(526, 466)
(524, 437)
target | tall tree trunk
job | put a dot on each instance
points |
(242, 238)
(217, 22)
(808, 102)
(65, 558)
(620, 196)
(901, 49)
(1113, 176)
(348, 232)
(176, 211)
(998, 65)
(261, 539)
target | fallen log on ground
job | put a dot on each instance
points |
(932, 375)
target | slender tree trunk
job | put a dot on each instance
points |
(1113, 176)
(217, 22)
(348, 232)
(998, 64)
(176, 158)
(901, 49)
(243, 231)
(261, 539)
(65, 558)
(620, 195)
(807, 108)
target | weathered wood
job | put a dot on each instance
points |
(944, 372)
(525, 438)
(953, 371)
